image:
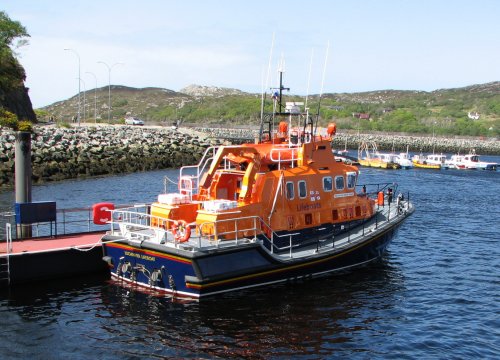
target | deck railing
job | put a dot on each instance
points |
(137, 223)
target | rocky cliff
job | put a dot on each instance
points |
(18, 102)
(13, 94)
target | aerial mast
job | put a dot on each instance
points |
(281, 70)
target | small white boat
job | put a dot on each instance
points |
(470, 161)
(403, 160)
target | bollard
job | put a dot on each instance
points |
(23, 175)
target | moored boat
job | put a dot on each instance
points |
(470, 161)
(403, 160)
(430, 161)
(369, 156)
(255, 214)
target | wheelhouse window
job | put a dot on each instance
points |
(302, 189)
(351, 180)
(339, 183)
(290, 191)
(327, 183)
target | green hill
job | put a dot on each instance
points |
(444, 111)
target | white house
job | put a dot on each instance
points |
(473, 115)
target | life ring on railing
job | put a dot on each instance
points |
(181, 231)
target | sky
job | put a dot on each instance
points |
(328, 46)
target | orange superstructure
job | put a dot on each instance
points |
(290, 185)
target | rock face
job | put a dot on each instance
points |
(59, 154)
(13, 94)
(18, 102)
(215, 91)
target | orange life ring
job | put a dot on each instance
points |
(181, 231)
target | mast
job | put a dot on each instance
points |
(281, 87)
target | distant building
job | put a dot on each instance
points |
(473, 115)
(362, 116)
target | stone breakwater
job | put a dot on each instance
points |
(59, 153)
(417, 144)
(388, 142)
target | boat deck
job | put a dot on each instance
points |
(385, 217)
(44, 244)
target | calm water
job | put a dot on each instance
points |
(435, 295)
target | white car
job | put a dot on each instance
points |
(133, 121)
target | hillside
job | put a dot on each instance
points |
(443, 111)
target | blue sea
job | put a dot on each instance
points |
(434, 295)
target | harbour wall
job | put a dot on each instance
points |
(60, 153)
(386, 142)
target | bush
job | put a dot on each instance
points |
(8, 119)
(25, 126)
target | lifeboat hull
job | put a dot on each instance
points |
(188, 274)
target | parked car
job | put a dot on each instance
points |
(133, 121)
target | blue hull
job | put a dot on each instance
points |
(187, 274)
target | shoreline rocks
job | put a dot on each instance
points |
(59, 153)
(417, 144)
(386, 142)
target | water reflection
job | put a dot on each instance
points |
(318, 317)
(314, 317)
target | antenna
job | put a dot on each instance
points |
(267, 79)
(281, 70)
(263, 98)
(322, 84)
(309, 77)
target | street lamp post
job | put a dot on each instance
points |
(109, 85)
(95, 96)
(79, 105)
(84, 91)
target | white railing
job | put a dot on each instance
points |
(135, 224)
(8, 237)
(200, 169)
(277, 154)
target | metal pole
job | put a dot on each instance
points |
(23, 175)
(84, 91)
(79, 104)
(109, 86)
(95, 96)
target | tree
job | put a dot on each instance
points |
(11, 72)
(10, 30)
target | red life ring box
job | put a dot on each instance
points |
(101, 213)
